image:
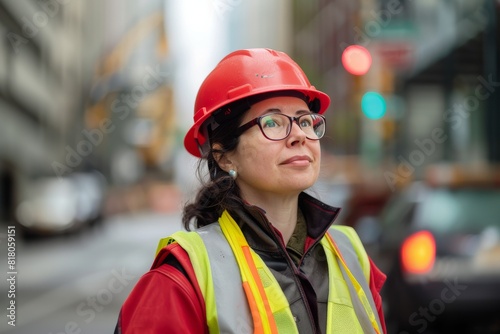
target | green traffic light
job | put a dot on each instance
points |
(373, 105)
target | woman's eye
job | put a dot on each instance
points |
(305, 122)
(270, 122)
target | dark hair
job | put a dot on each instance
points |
(220, 192)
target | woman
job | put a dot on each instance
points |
(263, 257)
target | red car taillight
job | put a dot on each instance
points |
(418, 253)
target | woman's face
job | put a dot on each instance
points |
(285, 167)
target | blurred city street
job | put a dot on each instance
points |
(80, 281)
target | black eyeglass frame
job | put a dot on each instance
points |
(256, 121)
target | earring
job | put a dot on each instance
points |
(233, 173)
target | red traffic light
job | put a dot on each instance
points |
(356, 59)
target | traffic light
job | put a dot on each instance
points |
(373, 105)
(356, 59)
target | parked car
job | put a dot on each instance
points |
(439, 243)
(53, 205)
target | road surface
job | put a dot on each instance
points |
(76, 284)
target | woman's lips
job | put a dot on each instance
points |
(298, 160)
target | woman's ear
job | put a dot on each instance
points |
(221, 158)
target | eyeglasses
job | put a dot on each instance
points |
(278, 126)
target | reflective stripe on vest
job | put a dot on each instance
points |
(255, 303)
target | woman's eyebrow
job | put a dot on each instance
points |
(278, 110)
(303, 111)
(272, 110)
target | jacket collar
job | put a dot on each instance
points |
(262, 236)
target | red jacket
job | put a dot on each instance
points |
(168, 299)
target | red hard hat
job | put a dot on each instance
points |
(243, 74)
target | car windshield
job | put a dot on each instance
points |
(461, 210)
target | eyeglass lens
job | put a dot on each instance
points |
(278, 126)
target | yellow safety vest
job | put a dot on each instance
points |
(256, 304)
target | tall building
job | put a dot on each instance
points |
(42, 76)
(81, 83)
